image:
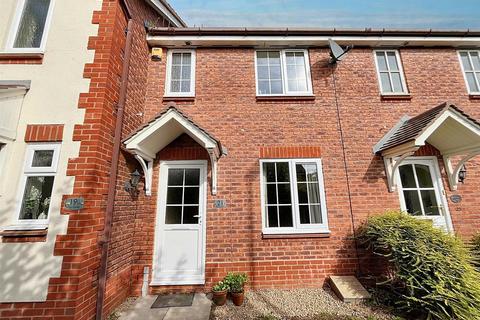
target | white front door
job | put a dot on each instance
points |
(421, 191)
(180, 230)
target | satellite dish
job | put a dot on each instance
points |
(336, 52)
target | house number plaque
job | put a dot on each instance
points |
(74, 204)
(456, 198)
(220, 203)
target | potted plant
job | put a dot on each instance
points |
(236, 282)
(219, 292)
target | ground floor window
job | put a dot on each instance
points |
(37, 182)
(293, 197)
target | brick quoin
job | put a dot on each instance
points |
(44, 133)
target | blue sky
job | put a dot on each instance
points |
(438, 14)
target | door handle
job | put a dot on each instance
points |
(196, 216)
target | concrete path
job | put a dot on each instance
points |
(140, 310)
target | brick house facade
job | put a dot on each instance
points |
(223, 135)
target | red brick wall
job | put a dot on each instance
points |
(225, 105)
(44, 133)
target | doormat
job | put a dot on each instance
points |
(173, 300)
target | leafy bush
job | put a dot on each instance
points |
(220, 286)
(430, 274)
(475, 249)
(235, 281)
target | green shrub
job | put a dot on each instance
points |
(220, 286)
(429, 270)
(475, 249)
(235, 281)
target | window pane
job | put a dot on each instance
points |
(176, 72)
(465, 61)
(311, 170)
(269, 171)
(186, 72)
(283, 174)
(272, 194)
(301, 172)
(262, 58)
(412, 202)
(293, 85)
(173, 215)
(274, 58)
(302, 85)
(175, 86)
(262, 72)
(42, 158)
(175, 177)
(423, 176)
(397, 82)
(272, 217)
(302, 193)
(304, 214)
(382, 63)
(176, 58)
(430, 203)
(284, 193)
(475, 60)
(472, 84)
(276, 87)
(174, 195)
(275, 73)
(191, 195)
(32, 24)
(316, 213)
(186, 58)
(392, 61)
(185, 86)
(285, 213)
(264, 87)
(407, 177)
(189, 214)
(386, 87)
(36, 198)
(313, 193)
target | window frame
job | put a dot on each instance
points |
(400, 69)
(168, 92)
(16, 24)
(283, 71)
(3, 160)
(464, 72)
(297, 228)
(29, 171)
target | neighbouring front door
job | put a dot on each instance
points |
(421, 191)
(180, 230)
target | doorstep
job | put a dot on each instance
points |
(141, 310)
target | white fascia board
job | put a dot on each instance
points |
(372, 41)
(160, 7)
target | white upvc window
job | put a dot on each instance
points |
(41, 162)
(293, 196)
(390, 72)
(3, 157)
(180, 73)
(282, 72)
(470, 62)
(30, 26)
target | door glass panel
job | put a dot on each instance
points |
(174, 195)
(430, 203)
(173, 215)
(190, 215)
(175, 177)
(191, 195)
(407, 176)
(192, 177)
(412, 202)
(423, 176)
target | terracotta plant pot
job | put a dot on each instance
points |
(237, 298)
(219, 297)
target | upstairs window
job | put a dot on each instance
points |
(180, 73)
(283, 72)
(37, 182)
(390, 73)
(30, 24)
(293, 196)
(471, 70)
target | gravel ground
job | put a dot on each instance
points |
(298, 304)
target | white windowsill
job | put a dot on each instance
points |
(29, 226)
(297, 231)
(395, 93)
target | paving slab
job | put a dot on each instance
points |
(348, 288)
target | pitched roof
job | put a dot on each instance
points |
(410, 129)
(172, 106)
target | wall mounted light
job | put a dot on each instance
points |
(131, 185)
(462, 174)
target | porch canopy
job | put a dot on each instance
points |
(445, 127)
(145, 142)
